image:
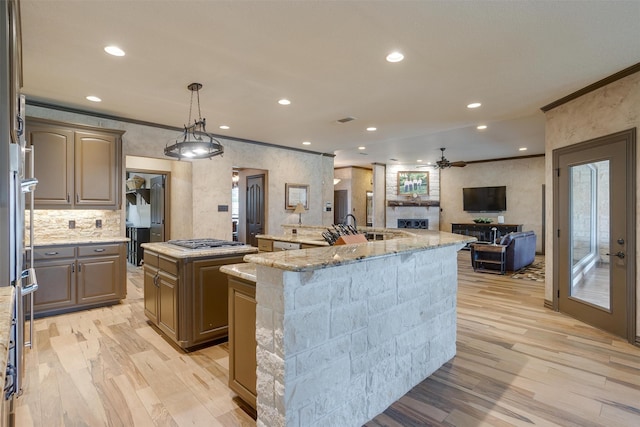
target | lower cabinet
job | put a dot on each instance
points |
(74, 277)
(242, 339)
(187, 298)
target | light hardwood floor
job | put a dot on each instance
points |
(517, 363)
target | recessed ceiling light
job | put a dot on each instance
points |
(481, 127)
(225, 127)
(522, 148)
(395, 57)
(372, 129)
(114, 50)
(428, 163)
(362, 147)
(284, 101)
(93, 98)
(419, 160)
(474, 105)
(306, 143)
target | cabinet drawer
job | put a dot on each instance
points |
(168, 264)
(151, 258)
(93, 250)
(53, 252)
(265, 245)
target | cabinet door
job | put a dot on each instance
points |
(168, 304)
(210, 299)
(96, 171)
(56, 286)
(151, 293)
(242, 339)
(53, 164)
(99, 279)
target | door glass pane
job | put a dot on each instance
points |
(589, 240)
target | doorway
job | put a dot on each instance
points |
(594, 213)
(157, 201)
(255, 208)
(341, 206)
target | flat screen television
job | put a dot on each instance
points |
(484, 199)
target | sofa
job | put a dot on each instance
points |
(520, 250)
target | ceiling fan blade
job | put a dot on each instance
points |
(459, 164)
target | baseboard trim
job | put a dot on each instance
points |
(548, 304)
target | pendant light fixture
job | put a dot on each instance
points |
(195, 142)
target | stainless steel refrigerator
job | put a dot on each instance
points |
(14, 185)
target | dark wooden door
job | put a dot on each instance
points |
(595, 253)
(255, 208)
(156, 199)
(341, 202)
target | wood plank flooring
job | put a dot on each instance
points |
(517, 364)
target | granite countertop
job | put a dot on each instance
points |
(315, 258)
(243, 270)
(80, 241)
(6, 307)
(179, 252)
(306, 239)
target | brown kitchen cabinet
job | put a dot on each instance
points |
(77, 166)
(186, 299)
(75, 277)
(242, 339)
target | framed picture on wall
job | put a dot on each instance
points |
(413, 182)
(294, 194)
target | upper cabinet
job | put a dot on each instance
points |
(76, 166)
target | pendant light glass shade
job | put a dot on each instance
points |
(195, 142)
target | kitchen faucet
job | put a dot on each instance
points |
(355, 223)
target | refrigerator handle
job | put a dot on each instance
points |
(30, 285)
(31, 150)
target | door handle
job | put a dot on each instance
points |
(618, 254)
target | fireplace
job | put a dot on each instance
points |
(413, 223)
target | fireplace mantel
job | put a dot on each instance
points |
(410, 202)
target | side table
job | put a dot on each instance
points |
(485, 256)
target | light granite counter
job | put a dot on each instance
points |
(321, 257)
(179, 252)
(245, 270)
(6, 314)
(342, 332)
(294, 238)
(79, 241)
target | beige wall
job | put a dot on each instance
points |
(610, 109)
(524, 179)
(195, 213)
(357, 181)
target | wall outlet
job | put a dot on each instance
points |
(72, 224)
(98, 223)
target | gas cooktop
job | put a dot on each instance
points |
(204, 243)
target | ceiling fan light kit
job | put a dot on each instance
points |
(443, 163)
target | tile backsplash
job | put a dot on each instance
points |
(53, 224)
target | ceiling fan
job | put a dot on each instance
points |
(443, 163)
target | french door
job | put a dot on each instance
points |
(594, 214)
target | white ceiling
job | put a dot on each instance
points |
(328, 58)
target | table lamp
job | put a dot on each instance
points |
(299, 210)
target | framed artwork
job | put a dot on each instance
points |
(294, 194)
(413, 182)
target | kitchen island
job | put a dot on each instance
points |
(185, 294)
(343, 332)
